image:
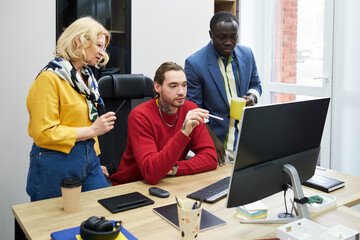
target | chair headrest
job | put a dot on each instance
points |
(126, 86)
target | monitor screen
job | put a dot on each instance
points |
(270, 137)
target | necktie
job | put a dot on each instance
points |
(230, 88)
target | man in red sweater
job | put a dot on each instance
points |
(163, 130)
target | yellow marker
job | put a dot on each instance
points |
(179, 203)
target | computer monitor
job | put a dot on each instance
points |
(271, 137)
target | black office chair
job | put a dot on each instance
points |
(121, 93)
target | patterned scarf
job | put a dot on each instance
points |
(66, 71)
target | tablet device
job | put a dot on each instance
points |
(169, 213)
(125, 202)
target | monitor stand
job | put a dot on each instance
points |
(302, 208)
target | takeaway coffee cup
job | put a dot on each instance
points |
(236, 107)
(70, 190)
(189, 217)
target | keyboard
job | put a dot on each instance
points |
(212, 192)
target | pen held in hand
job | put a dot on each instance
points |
(120, 106)
(213, 116)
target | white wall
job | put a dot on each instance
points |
(167, 30)
(26, 45)
(346, 88)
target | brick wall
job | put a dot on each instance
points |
(285, 54)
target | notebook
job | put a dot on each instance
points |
(169, 213)
(125, 202)
(74, 234)
(323, 183)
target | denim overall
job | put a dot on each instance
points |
(49, 167)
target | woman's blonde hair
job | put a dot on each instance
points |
(79, 35)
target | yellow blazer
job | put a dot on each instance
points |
(56, 110)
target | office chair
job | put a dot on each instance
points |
(121, 93)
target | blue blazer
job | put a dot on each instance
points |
(206, 85)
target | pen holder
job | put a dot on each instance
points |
(189, 220)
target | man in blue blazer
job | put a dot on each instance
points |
(219, 71)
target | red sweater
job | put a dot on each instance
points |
(153, 148)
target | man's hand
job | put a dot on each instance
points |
(193, 119)
(219, 146)
(249, 99)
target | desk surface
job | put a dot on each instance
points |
(39, 219)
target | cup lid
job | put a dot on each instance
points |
(70, 182)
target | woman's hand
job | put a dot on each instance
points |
(104, 123)
(105, 171)
(101, 126)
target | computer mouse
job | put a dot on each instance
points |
(158, 192)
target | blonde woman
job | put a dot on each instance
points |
(64, 106)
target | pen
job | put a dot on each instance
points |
(200, 203)
(195, 205)
(178, 202)
(213, 116)
(130, 203)
(120, 106)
